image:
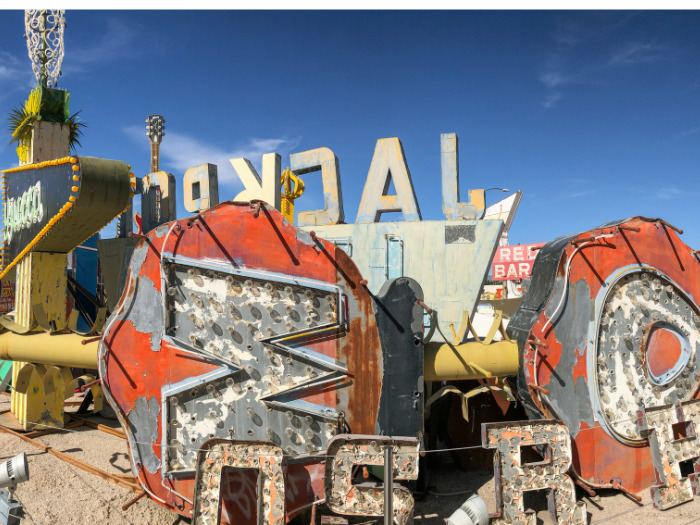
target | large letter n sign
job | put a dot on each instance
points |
(513, 479)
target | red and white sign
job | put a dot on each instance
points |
(514, 262)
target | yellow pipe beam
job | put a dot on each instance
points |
(447, 362)
(45, 349)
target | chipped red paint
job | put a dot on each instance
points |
(138, 364)
(598, 256)
(662, 352)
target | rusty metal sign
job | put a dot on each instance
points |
(673, 440)
(513, 478)
(216, 456)
(347, 452)
(609, 327)
(236, 326)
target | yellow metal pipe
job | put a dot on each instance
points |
(45, 349)
(446, 362)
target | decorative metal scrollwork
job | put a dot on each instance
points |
(44, 33)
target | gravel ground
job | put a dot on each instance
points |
(58, 493)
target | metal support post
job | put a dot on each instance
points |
(388, 485)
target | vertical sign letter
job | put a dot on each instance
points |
(672, 432)
(217, 454)
(201, 188)
(267, 189)
(513, 478)
(449, 161)
(388, 163)
(325, 160)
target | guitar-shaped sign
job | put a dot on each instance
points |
(154, 130)
(155, 126)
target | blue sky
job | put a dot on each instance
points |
(594, 115)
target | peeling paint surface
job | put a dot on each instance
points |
(218, 455)
(431, 250)
(263, 336)
(142, 423)
(348, 451)
(146, 318)
(610, 327)
(513, 478)
(669, 450)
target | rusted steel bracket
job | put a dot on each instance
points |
(627, 228)
(129, 503)
(539, 389)
(667, 225)
(133, 486)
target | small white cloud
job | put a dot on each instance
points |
(551, 99)
(584, 193)
(553, 78)
(179, 152)
(692, 131)
(16, 76)
(632, 53)
(670, 192)
(582, 54)
(114, 43)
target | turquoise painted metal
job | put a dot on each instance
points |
(450, 259)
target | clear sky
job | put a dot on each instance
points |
(593, 115)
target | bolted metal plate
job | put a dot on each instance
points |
(227, 315)
(254, 326)
(229, 406)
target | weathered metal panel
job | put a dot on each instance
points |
(450, 259)
(610, 326)
(196, 276)
(158, 199)
(114, 255)
(49, 141)
(399, 320)
(394, 257)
